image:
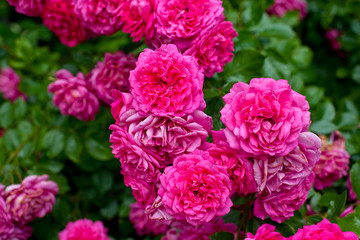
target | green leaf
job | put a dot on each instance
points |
(73, 148)
(313, 95)
(222, 236)
(323, 127)
(356, 74)
(25, 129)
(61, 211)
(350, 223)
(328, 111)
(103, 181)
(20, 108)
(5, 115)
(11, 139)
(99, 151)
(276, 69)
(253, 12)
(355, 179)
(110, 210)
(337, 205)
(212, 92)
(348, 121)
(53, 142)
(26, 151)
(313, 219)
(302, 56)
(275, 30)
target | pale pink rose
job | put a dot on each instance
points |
(334, 161)
(165, 82)
(143, 224)
(265, 232)
(352, 194)
(181, 21)
(84, 229)
(112, 73)
(213, 48)
(6, 225)
(138, 17)
(194, 189)
(144, 192)
(73, 97)
(33, 198)
(281, 7)
(323, 230)
(100, 16)
(264, 117)
(59, 17)
(30, 8)
(9, 84)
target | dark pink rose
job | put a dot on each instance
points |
(264, 117)
(195, 189)
(281, 7)
(112, 73)
(213, 48)
(9, 84)
(73, 97)
(323, 230)
(265, 232)
(171, 234)
(59, 17)
(6, 225)
(144, 192)
(30, 8)
(84, 229)
(21, 232)
(165, 82)
(333, 163)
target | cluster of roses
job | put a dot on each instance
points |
(9, 84)
(80, 96)
(22, 203)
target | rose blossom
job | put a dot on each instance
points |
(84, 229)
(264, 117)
(194, 189)
(21, 232)
(72, 96)
(59, 17)
(334, 161)
(281, 7)
(143, 224)
(112, 73)
(138, 17)
(265, 232)
(213, 49)
(143, 192)
(352, 194)
(33, 198)
(9, 84)
(323, 230)
(171, 234)
(6, 224)
(165, 82)
(30, 8)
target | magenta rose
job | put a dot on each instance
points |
(138, 17)
(333, 163)
(143, 224)
(6, 224)
(352, 194)
(213, 48)
(100, 16)
(123, 103)
(9, 84)
(165, 82)
(323, 230)
(195, 189)
(112, 73)
(72, 96)
(144, 192)
(84, 229)
(265, 232)
(30, 8)
(59, 17)
(33, 198)
(281, 7)
(264, 117)
(21, 232)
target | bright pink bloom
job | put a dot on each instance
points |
(112, 73)
(33, 198)
(171, 234)
(144, 192)
(84, 229)
(281, 7)
(334, 161)
(9, 84)
(99, 16)
(165, 82)
(213, 48)
(323, 230)
(352, 194)
(72, 96)
(264, 117)
(59, 17)
(30, 8)
(194, 189)
(265, 232)
(139, 18)
(143, 224)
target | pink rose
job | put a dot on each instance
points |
(333, 36)
(33, 198)
(112, 73)
(165, 82)
(265, 232)
(143, 224)
(6, 224)
(139, 18)
(30, 8)
(323, 230)
(21, 232)
(213, 49)
(171, 234)
(72, 96)
(122, 103)
(59, 17)
(264, 117)
(334, 161)
(101, 17)
(281, 7)
(9, 84)
(144, 192)
(194, 189)
(84, 229)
